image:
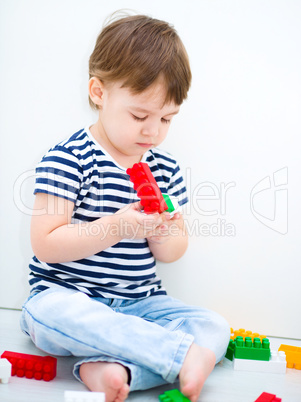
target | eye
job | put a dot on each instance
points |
(139, 118)
(165, 121)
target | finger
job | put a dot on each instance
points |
(137, 206)
(166, 215)
(162, 231)
(155, 219)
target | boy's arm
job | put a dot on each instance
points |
(55, 239)
(170, 240)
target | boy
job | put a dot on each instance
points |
(95, 292)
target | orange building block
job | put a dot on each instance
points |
(293, 356)
(242, 332)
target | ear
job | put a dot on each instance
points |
(96, 91)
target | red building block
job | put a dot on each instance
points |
(31, 366)
(147, 188)
(265, 397)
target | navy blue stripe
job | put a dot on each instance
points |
(96, 292)
(77, 136)
(87, 218)
(176, 182)
(58, 172)
(103, 264)
(99, 208)
(178, 193)
(57, 185)
(62, 161)
(125, 244)
(127, 257)
(159, 156)
(165, 168)
(54, 274)
(184, 201)
(42, 287)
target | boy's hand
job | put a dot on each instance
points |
(167, 228)
(135, 225)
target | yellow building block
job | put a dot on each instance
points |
(242, 332)
(293, 356)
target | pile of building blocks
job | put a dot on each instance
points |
(149, 192)
(251, 352)
(173, 396)
(265, 397)
(78, 396)
(5, 371)
(31, 366)
(243, 334)
(293, 356)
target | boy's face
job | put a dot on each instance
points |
(129, 124)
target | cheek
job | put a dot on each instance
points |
(123, 131)
(164, 131)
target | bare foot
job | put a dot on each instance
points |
(197, 366)
(110, 378)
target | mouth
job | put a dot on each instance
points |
(144, 145)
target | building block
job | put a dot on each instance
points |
(253, 350)
(79, 396)
(266, 397)
(276, 364)
(5, 371)
(293, 356)
(243, 333)
(173, 396)
(172, 204)
(230, 350)
(31, 366)
(147, 188)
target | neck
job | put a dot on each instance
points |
(123, 160)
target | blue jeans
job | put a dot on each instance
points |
(149, 336)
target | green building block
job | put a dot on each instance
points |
(230, 351)
(173, 396)
(252, 350)
(169, 203)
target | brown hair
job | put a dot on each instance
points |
(137, 50)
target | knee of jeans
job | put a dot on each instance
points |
(23, 325)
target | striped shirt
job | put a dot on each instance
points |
(80, 170)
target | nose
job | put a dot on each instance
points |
(150, 129)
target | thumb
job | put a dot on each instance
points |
(137, 206)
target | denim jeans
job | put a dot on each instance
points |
(149, 336)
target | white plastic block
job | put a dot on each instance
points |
(78, 396)
(175, 203)
(5, 371)
(276, 364)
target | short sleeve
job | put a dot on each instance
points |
(177, 186)
(59, 173)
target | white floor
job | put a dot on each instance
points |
(223, 385)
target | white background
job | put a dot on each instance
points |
(240, 125)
